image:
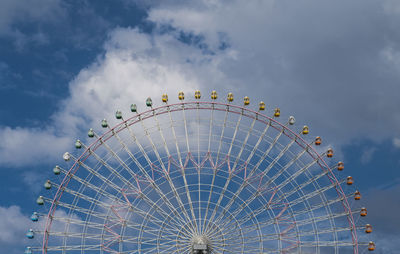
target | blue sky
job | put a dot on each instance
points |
(64, 65)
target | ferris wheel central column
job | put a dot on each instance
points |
(200, 245)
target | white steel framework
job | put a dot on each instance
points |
(200, 177)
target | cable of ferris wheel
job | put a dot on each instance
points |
(103, 204)
(242, 186)
(221, 195)
(123, 179)
(144, 172)
(184, 174)
(288, 165)
(237, 159)
(215, 169)
(198, 169)
(170, 206)
(254, 195)
(262, 209)
(190, 221)
(178, 198)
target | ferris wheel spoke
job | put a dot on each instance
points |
(101, 216)
(325, 244)
(299, 188)
(290, 163)
(263, 174)
(167, 177)
(221, 195)
(262, 158)
(148, 177)
(233, 249)
(199, 217)
(148, 200)
(222, 134)
(239, 155)
(125, 181)
(88, 247)
(192, 221)
(184, 174)
(265, 154)
(77, 209)
(321, 218)
(313, 194)
(182, 249)
(216, 162)
(329, 212)
(272, 179)
(93, 187)
(243, 145)
(95, 173)
(290, 236)
(298, 200)
(320, 205)
(113, 170)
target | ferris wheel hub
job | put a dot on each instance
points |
(200, 244)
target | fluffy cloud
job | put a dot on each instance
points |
(332, 64)
(396, 142)
(382, 207)
(24, 146)
(133, 67)
(12, 12)
(13, 226)
(330, 71)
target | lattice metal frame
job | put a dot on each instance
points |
(200, 174)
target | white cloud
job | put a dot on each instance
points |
(367, 155)
(262, 60)
(12, 12)
(396, 142)
(13, 225)
(24, 146)
(310, 61)
(133, 68)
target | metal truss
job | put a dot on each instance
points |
(235, 178)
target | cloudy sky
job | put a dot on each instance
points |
(66, 64)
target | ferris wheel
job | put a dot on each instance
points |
(200, 177)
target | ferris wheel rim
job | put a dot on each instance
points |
(202, 105)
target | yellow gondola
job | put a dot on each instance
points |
(261, 105)
(230, 97)
(277, 112)
(164, 98)
(181, 96)
(246, 100)
(214, 95)
(305, 130)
